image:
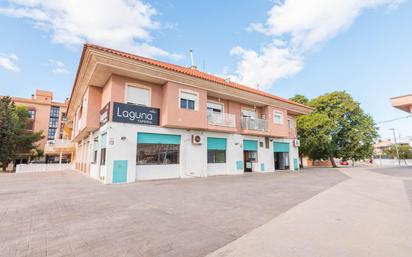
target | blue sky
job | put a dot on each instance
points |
(287, 47)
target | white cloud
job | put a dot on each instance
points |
(297, 27)
(58, 67)
(121, 24)
(8, 62)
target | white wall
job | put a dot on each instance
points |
(193, 158)
(41, 167)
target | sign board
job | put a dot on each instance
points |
(104, 114)
(137, 114)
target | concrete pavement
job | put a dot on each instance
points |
(366, 215)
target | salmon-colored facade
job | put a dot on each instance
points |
(49, 117)
(403, 103)
(187, 102)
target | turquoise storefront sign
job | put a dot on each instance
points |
(153, 138)
(280, 147)
(249, 145)
(215, 143)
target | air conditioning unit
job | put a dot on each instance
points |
(197, 140)
(296, 143)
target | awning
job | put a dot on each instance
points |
(215, 143)
(249, 145)
(152, 138)
(280, 147)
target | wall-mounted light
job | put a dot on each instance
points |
(123, 138)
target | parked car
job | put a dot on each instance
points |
(344, 163)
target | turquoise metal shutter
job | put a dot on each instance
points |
(250, 145)
(152, 138)
(215, 143)
(120, 171)
(279, 147)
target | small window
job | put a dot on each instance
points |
(32, 114)
(188, 101)
(214, 107)
(216, 156)
(278, 117)
(249, 113)
(138, 96)
(290, 123)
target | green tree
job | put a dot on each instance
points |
(300, 99)
(15, 139)
(405, 152)
(337, 128)
(7, 136)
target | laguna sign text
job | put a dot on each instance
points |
(130, 113)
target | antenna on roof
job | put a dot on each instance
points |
(227, 79)
(193, 66)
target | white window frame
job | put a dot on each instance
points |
(276, 113)
(128, 84)
(217, 103)
(291, 122)
(190, 92)
(249, 110)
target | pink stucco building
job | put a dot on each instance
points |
(135, 118)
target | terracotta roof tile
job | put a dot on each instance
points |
(191, 72)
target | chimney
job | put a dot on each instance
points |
(192, 60)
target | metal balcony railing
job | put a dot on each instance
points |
(221, 119)
(250, 123)
(58, 144)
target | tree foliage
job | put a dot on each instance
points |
(15, 139)
(405, 152)
(337, 128)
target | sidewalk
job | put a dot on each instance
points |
(367, 215)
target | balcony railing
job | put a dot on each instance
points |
(59, 145)
(250, 123)
(221, 119)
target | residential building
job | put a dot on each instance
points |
(135, 118)
(48, 116)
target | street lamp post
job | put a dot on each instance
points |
(396, 146)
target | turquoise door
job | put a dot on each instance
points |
(120, 171)
(296, 164)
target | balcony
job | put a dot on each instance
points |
(221, 119)
(59, 145)
(250, 123)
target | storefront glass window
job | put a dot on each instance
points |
(157, 154)
(216, 156)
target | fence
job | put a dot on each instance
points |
(40, 167)
(392, 162)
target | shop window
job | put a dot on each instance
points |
(214, 107)
(138, 95)
(102, 156)
(278, 117)
(216, 156)
(157, 154)
(103, 139)
(188, 100)
(95, 156)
